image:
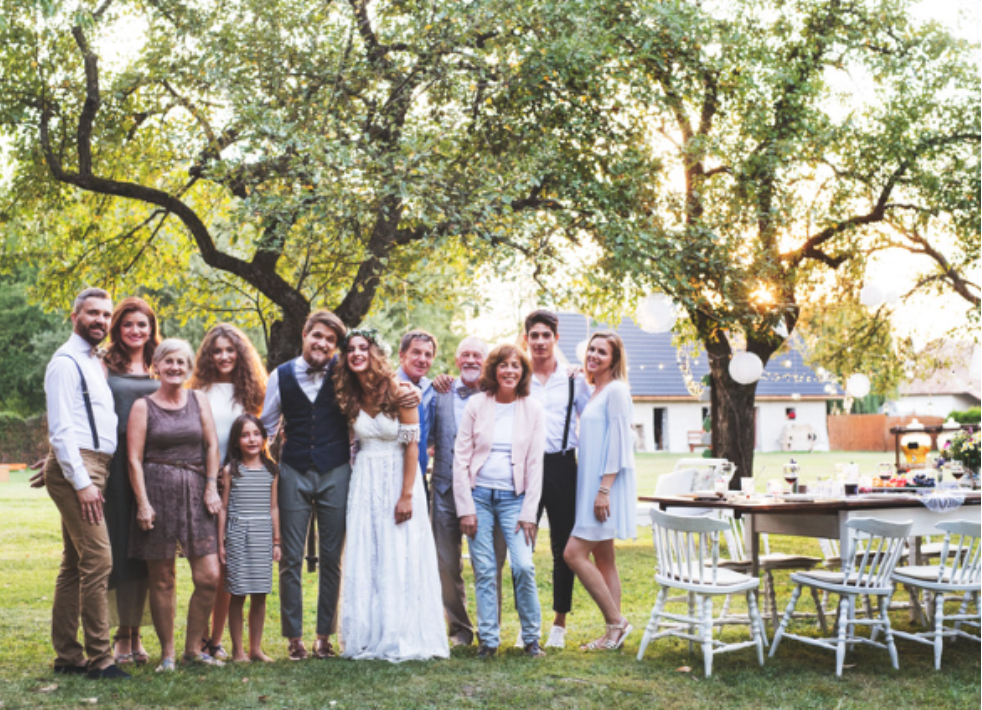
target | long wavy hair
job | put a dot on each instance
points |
(233, 456)
(381, 377)
(117, 359)
(248, 377)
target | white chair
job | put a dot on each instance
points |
(769, 561)
(869, 574)
(680, 542)
(958, 574)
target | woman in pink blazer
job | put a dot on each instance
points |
(498, 482)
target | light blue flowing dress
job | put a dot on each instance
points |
(607, 446)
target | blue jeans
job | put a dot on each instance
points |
(501, 509)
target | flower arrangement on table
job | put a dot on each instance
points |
(965, 447)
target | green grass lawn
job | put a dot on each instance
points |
(799, 677)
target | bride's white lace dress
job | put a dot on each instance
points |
(392, 606)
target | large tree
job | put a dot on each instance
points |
(292, 153)
(787, 140)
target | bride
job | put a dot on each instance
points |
(391, 607)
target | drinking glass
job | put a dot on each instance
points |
(885, 471)
(747, 486)
(957, 471)
(791, 471)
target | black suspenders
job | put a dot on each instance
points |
(569, 414)
(91, 414)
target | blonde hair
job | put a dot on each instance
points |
(174, 345)
(618, 363)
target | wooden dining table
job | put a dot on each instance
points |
(824, 518)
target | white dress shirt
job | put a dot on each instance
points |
(459, 401)
(554, 396)
(310, 383)
(68, 422)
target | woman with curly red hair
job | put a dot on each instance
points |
(230, 373)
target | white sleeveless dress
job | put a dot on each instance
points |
(391, 607)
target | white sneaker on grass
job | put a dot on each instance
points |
(557, 637)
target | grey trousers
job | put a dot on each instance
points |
(449, 542)
(302, 494)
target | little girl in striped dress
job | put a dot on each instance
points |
(248, 531)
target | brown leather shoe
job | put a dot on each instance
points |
(323, 649)
(296, 651)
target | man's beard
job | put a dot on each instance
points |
(85, 332)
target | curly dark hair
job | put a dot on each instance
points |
(383, 388)
(233, 456)
(249, 376)
(117, 359)
(489, 375)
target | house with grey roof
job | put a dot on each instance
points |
(946, 381)
(670, 402)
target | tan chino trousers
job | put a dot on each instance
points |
(81, 589)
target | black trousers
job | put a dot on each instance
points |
(559, 501)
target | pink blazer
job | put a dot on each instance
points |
(473, 446)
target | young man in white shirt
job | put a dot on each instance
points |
(563, 395)
(82, 433)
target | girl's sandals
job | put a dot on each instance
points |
(140, 655)
(121, 658)
(166, 666)
(217, 652)
(612, 640)
(202, 659)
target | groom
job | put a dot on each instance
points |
(314, 475)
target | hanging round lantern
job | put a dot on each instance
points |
(656, 313)
(581, 351)
(857, 386)
(891, 294)
(871, 296)
(746, 368)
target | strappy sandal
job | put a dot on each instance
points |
(202, 659)
(217, 652)
(608, 642)
(140, 657)
(166, 666)
(121, 658)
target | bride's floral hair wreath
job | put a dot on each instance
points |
(369, 334)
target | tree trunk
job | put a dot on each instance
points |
(285, 339)
(732, 416)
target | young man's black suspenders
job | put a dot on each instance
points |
(569, 415)
(88, 403)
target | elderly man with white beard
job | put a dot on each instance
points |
(447, 411)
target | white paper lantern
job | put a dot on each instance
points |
(581, 351)
(656, 313)
(857, 386)
(871, 296)
(891, 294)
(746, 368)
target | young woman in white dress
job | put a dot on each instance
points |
(230, 373)
(391, 606)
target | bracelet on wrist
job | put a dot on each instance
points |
(604, 489)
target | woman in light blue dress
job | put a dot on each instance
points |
(606, 493)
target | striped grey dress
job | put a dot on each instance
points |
(249, 533)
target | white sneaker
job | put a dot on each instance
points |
(557, 638)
